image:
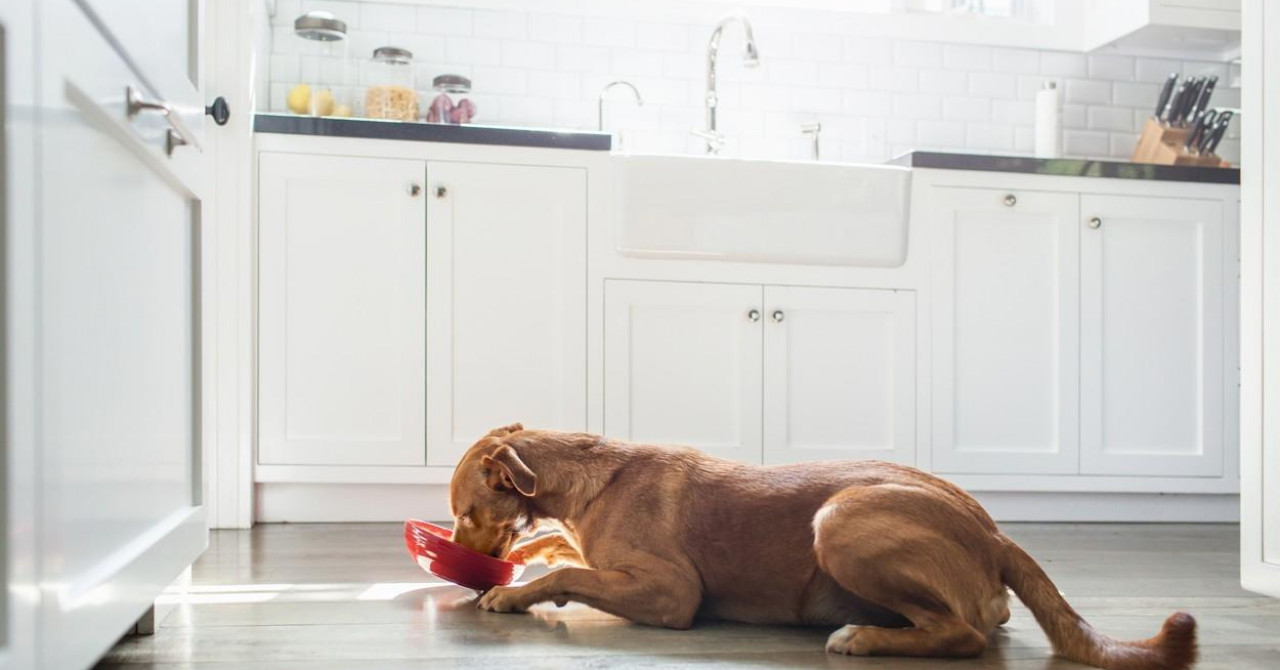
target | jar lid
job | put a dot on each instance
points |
(320, 26)
(392, 55)
(451, 83)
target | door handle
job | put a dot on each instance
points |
(178, 133)
(777, 316)
(219, 111)
(753, 315)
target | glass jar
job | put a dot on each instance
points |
(448, 105)
(389, 80)
(324, 66)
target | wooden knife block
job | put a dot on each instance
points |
(1164, 145)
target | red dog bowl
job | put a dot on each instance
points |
(434, 552)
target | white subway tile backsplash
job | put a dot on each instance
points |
(444, 21)
(875, 96)
(473, 51)
(948, 82)
(662, 36)
(1063, 64)
(1111, 68)
(993, 85)
(1015, 61)
(386, 17)
(504, 25)
(1110, 118)
(1086, 91)
(917, 106)
(967, 109)
(868, 50)
(966, 57)
(1155, 69)
(1086, 143)
(917, 54)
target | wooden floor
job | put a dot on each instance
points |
(348, 596)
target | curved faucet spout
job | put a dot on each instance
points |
(750, 59)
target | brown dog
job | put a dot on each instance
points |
(905, 563)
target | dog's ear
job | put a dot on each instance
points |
(505, 471)
(506, 430)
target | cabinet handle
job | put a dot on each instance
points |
(777, 316)
(1095, 223)
(442, 191)
(415, 190)
(1010, 200)
(753, 315)
(178, 133)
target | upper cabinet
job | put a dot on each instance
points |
(1206, 29)
(342, 308)
(506, 301)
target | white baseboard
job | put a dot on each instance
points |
(314, 503)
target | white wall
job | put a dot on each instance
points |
(875, 97)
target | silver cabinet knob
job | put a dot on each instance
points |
(753, 315)
(1010, 200)
(442, 191)
(1095, 223)
(777, 316)
(415, 190)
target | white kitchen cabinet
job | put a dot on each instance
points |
(342, 310)
(683, 365)
(506, 301)
(1152, 317)
(1006, 306)
(103, 305)
(839, 374)
(1201, 29)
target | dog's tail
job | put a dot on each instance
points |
(1173, 648)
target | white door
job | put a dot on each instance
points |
(341, 310)
(1151, 336)
(1260, 318)
(839, 374)
(506, 302)
(1005, 331)
(117, 294)
(682, 365)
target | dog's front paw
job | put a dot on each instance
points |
(848, 641)
(504, 599)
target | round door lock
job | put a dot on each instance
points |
(777, 316)
(1095, 223)
(753, 315)
(1010, 200)
(415, 190)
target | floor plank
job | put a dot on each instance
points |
(347, 595)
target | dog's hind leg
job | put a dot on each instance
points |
(907, 549)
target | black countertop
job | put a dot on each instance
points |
(1067, 167)
(432, 132)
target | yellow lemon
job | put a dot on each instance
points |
(322, 102)
(299, 100)
(341, 110)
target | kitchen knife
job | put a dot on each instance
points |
(1202, 97)
(1198, 129)
(1172, 106)
(1219, 131)
(1166, 92)
(1188, 98)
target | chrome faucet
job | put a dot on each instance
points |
(750, 59)
(600, 102)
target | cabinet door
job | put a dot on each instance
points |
(110, 271)
(1151, 336)
(506, 301)
(839, 374)
(1005, 340)
(683, 365)
(341, 310)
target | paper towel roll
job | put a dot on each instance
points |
(1049, 121)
